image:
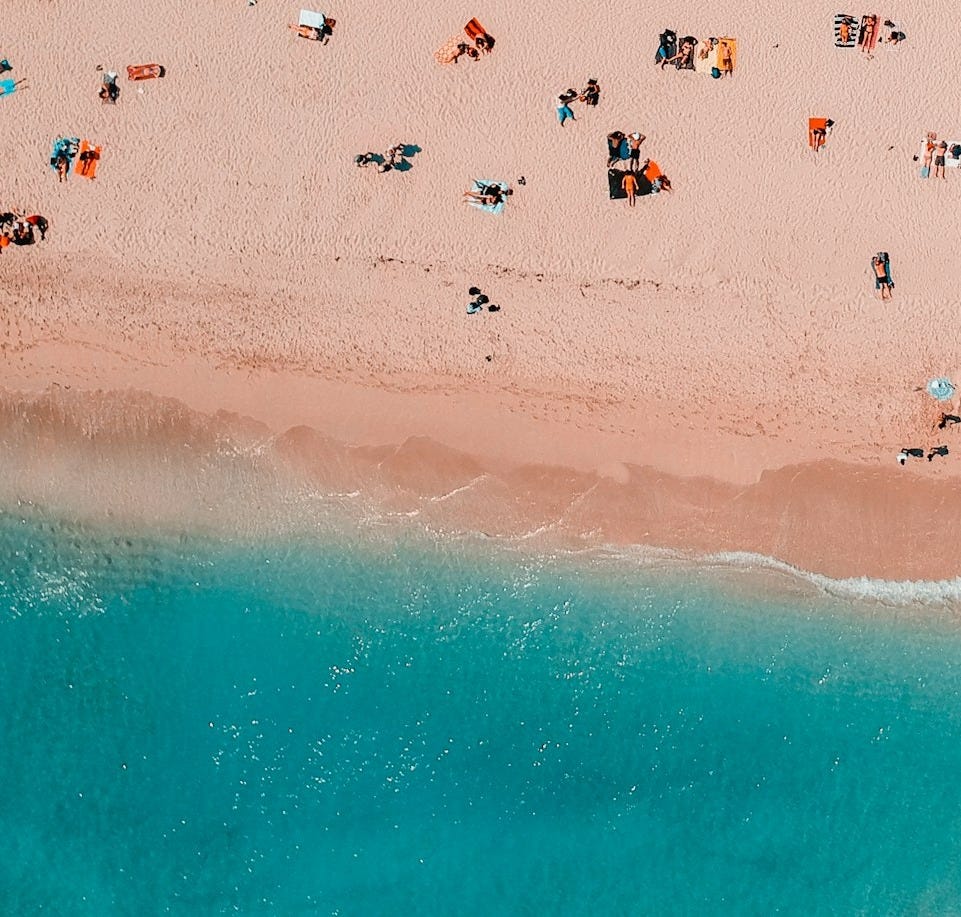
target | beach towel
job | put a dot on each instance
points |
(447, 52)
(312, 19)
(622, 152)
(475, 30)
(816, 124)
(617, 193)
(839, 20)
(8, 87)
(144, 71)
(479, 185)
(87, 160)
(707, 62)
(66, 146)
(869, 31)
(732, 46)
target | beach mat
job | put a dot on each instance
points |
(144, 71)
(852, 41)
(312, 19)
(816, 124)
(447, 52)
(479, 185)
(87, 160)
(475, 30)
(68, 145)
(614, 190)
(867, 36)
(732, 44)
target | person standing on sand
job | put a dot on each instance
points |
(564, 110)
(634, 142)
(629, 186)
(725, 60)
(939, 154)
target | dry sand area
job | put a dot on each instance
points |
(718, 347)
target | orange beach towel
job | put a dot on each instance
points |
(475, 30)
(87, 160)
(144, 71)
(652, 171)
(732, 48)
(815, 124)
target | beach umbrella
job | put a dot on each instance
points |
(940, 388)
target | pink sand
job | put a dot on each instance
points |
(713, 365)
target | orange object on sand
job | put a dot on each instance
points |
(87, 160)
(652, 171)
(4, 241)
(144, 71)
(732, 48)
(475, 30)
(816, 124)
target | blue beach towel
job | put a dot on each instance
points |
(64, 145)
(8, 87)
(479, 185)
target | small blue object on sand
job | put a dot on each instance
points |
(8, 87)
(942, 389)
(479, 185)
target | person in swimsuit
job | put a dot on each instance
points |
(940, 151)
(614, 140)
(881, 281)
(725, 59)
(634, 142)
(629, 187)
(591, 94)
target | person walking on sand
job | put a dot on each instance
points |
(564, 110)
(940, 152)
(629, 186)
(948, 420)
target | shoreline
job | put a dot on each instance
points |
(144, 460)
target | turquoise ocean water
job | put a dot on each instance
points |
(337, 727)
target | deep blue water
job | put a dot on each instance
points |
(316, 727)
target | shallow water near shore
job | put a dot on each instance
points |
(345, 726)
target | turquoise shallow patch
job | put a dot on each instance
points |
(338, 727)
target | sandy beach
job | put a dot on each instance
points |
(709, 370)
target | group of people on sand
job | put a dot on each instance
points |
(589, 95)
(483, 44)
(390, 160)
(19, 229)
(682, 54)
(936, 153)
(909, 452)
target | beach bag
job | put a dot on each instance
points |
(715, 73)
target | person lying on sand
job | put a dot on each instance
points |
(725, 59)
(882, 281)
(938, 450)
(684, 57)
(905, 454)
(489, 195)
(948, 420)
(309, 32)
